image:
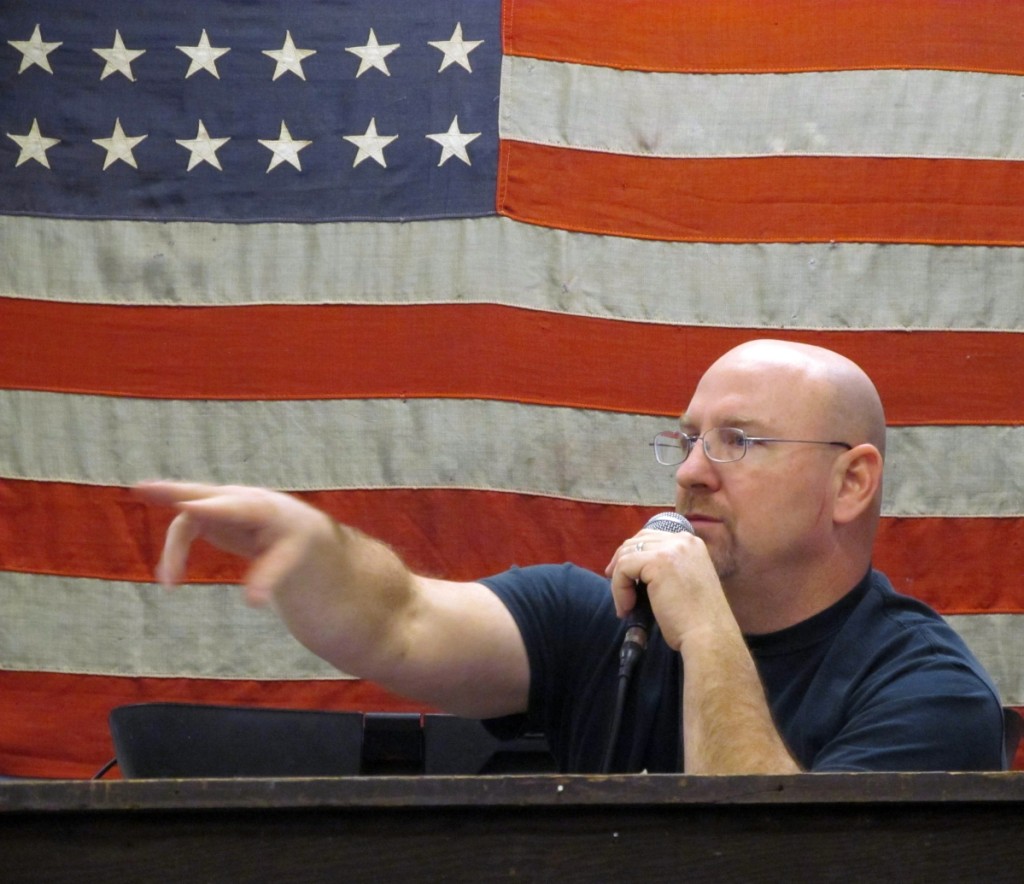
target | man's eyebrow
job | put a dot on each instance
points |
(686, 423)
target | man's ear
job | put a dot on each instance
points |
(858, 482)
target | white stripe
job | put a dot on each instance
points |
(56, 624)
(885, 113)
(74, 625)
(814, 286)
(997, 640)
(573, 453)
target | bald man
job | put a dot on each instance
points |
(776, 647)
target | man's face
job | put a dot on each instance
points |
(768, 512)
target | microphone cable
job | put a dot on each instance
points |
(629, 656)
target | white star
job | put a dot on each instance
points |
(119, 146)
(204, 56)
(289, 58)
(456, 50)
(285, 149)
(33, 146)
(372, 55)
(34, 51)
(371, 145)
(453, 142)
(204, 148)
(118, 58)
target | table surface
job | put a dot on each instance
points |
(808, 827)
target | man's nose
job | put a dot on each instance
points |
(698, 468)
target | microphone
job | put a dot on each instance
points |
(638, 621)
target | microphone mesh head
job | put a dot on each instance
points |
(671, 522)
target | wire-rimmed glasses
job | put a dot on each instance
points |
(721, 444)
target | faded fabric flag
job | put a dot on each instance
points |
(443, 269)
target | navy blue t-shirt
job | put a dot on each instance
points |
(877, 682)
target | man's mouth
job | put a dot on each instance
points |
(695, 518)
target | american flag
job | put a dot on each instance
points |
(444, 268)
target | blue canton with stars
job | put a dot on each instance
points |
(305, 110)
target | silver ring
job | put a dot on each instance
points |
(640, 546)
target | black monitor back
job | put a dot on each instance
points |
(183, 740)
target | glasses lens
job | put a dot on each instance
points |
(668, 448)
(725, 444)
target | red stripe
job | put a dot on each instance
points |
(764, 199)
(55, 724)
(783, 35)
(468, 351)
(960, 566)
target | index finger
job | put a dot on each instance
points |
(169, 493)
(629, 545)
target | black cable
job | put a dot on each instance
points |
(629, 656)
(103, 770)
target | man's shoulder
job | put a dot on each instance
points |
(906, 693)
(561, 600)
(547, 577)
(897, 626)
(902, 614)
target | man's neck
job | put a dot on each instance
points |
(762, 607)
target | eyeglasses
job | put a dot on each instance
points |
(721, 444)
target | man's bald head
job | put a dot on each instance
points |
(832, 388)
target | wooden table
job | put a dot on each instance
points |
(805, 828)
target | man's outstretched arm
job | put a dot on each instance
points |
(351, 600)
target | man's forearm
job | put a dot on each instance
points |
(727, 725)
(352, 605)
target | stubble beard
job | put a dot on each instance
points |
(725, 563)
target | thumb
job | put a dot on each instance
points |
(269, 573)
